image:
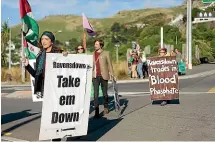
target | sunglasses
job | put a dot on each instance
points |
(80, 48)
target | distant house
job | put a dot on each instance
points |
(177, 20)
(138, 25)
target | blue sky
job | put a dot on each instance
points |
(91, 8)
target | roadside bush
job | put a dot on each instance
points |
(195, 61)
(211, 59)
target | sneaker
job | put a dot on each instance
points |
(106, 111)
(163, 103)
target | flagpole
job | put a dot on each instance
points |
(84, 41)
(22, 53)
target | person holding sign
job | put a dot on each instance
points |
(80, 50)
(163, 53)
(47, 46)
(102, 72)
(47, 42)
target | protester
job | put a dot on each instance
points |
(80, 50)
(140, 64)
(47, 42)
(172, 53)
(178, 56)
(163, 53)
(102, 72)
(145, 67)
(134, 61)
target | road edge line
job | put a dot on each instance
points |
(11, 139)
(202, 74)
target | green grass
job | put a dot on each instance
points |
(71, 25)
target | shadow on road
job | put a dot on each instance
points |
(111, 104)
(96, 129)
(7, 118)
(19, 125)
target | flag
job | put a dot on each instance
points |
(31, 36)
(88, 26)
(30, 50)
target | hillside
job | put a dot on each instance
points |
(125, 26)
(71, 25)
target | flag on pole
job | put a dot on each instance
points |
(31, 36)
(88, 26)
(30, 50)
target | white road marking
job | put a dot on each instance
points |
(10, 139)
(11, 88)
(135, 94)
(7, 89)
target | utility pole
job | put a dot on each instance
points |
(117, 52)
(161, 37)
(23, 53)
(187, 34)
(190, 35)
(9, 58)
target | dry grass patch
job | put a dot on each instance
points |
(13, 75)
(121, 70)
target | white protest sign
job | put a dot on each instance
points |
(66, 98)
(35, 97)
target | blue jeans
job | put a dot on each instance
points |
(140, 69)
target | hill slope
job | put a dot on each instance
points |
(71, 25)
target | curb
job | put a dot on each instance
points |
(19, 94)
(28, 94)
(202, 74)
(10, 139)
(4, 94)
(20, 85)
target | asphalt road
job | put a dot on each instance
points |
(124, 87)
(192, 119)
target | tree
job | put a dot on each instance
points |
(4, 41)
(195, 12)
(115, 27)
(213, 48)
(58, 43)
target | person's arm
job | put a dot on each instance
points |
(30, 70)
(110, 66)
